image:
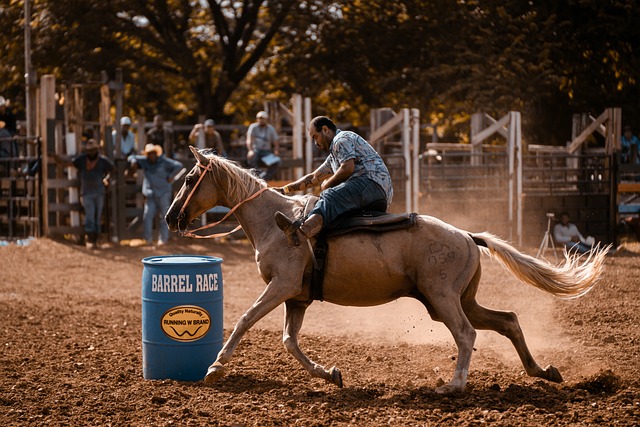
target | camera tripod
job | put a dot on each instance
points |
(547, 240)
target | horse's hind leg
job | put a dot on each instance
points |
(449, 311)
(505, 323)
(294, 315)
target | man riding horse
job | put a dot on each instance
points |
(352, 177)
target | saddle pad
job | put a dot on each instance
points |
(371, 221)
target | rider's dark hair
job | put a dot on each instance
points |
(320, 121)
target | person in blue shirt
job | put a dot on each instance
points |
(159, 174)
(628, 141)
(94, 170)
(352, 177)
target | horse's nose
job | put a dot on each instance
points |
(171, 222)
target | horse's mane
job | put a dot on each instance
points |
(240, 182)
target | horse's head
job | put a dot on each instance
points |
(197, 194)
(213, 181)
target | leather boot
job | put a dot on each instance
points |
(312, 226)
(309, 228)
(289, 227)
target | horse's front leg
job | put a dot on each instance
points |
(275, 294)
(293, 317)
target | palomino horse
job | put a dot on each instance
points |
(433, 262)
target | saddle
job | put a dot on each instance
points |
(370, 221)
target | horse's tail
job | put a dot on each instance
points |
(574, 278)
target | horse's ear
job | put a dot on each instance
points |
(198, 155)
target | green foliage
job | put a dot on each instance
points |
(183, 58)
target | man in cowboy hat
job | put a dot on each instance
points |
(159, 174)
(94, 170)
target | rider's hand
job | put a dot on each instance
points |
(279, 190)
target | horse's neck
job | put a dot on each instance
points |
(257, 216)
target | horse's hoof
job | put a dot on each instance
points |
(448, 389)
(336, 376)
(552, 374)
(214, 373)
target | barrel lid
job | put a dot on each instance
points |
(180, 260)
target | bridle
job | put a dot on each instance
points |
(191, 233)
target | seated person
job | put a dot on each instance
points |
(567, 234)
(263, 147)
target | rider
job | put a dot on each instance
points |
(353, 176)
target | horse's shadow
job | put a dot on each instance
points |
(540, 395)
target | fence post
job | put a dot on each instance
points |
(308, 166)
(298, 152)
(477, 122)
(415, 127)
(47, 115)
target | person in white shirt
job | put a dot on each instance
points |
(127, 138)
(263, 147)
(567, 234)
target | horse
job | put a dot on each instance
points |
(431, 261)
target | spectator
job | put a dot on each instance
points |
(161, 136)
(94, 169)
(127, 138)
(212, 138)
(159, 174)
(630, 145)
(6, 141)
(632, 224)
(263, 147)
(7, 116)
(567, 234)
(7, 150)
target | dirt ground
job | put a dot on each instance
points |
(72, 352)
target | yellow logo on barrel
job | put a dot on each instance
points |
(186, 323)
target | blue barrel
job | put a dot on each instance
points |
(182, 329)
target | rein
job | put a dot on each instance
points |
(191, 233)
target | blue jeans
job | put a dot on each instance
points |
(577, 247)
(155, 205)
(93, 204)
(354, 193)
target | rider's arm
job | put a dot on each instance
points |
(342, 174)
(310, 180)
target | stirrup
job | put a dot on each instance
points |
(289, 228)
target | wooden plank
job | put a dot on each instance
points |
(385, 129)
(63, 183)
(64, 207)
(502, 131)
(629, 187)
(487, 132)
(577, 142)
(63, 229)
